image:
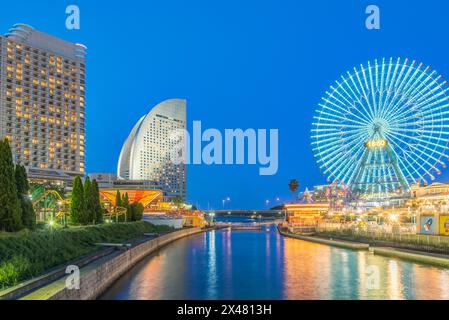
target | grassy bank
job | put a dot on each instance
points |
(27, 254)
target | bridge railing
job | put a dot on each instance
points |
(245, 224)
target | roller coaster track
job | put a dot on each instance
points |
(55, 193)
(117, 212)
(42, 194)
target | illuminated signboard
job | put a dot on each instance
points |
(444, 225)
(427, 225)
(372, 144)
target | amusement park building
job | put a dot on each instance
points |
(145, 155)
(434, 190)
(42, 102)
(430, 203)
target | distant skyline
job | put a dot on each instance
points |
(239, 64)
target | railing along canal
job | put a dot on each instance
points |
(400, 236)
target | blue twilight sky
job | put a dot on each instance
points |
(239, 64)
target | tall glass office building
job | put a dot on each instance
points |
(145, 155)
(42, 102)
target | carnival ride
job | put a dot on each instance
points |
(144, 197)
(50, 203)
(336, 194)
(47, 201)
(383, 127)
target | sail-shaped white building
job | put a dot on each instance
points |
(145, 155)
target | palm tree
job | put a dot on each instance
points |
(293, 186)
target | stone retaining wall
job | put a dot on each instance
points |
(98, 276)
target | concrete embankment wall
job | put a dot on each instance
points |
(96, 277)
(412, 256)
(335, 243)
(419, 257)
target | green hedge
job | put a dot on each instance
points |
(27, 254)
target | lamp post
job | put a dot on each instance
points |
(45, 206)
(227, 199)
(267, 202)
(211, 218)
(51, 223)
(65, 212)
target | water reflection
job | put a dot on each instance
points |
(264, 265)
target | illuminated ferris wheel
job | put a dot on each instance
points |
(382, 127)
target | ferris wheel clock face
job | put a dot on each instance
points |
(383, 126)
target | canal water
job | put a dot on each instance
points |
(264, 265)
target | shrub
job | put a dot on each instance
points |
(27, 254)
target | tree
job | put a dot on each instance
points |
(118, 203)
(23, 188)
(293, 186)
(86, 184)
(125, 204)
(129, 212)
(125, 200)
(10, 209)
(136, 211)
(98, 208)
(118, 199)
(89, 198)
(78, 205)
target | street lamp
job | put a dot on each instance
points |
(60, 204)
(228, 199)
(51, 223)
(267, 202)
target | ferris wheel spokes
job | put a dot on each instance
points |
(383, 127)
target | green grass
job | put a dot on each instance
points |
(26, 254)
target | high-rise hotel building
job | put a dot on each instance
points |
(146, 153)
(42, 102)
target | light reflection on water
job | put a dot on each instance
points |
(264, 265)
